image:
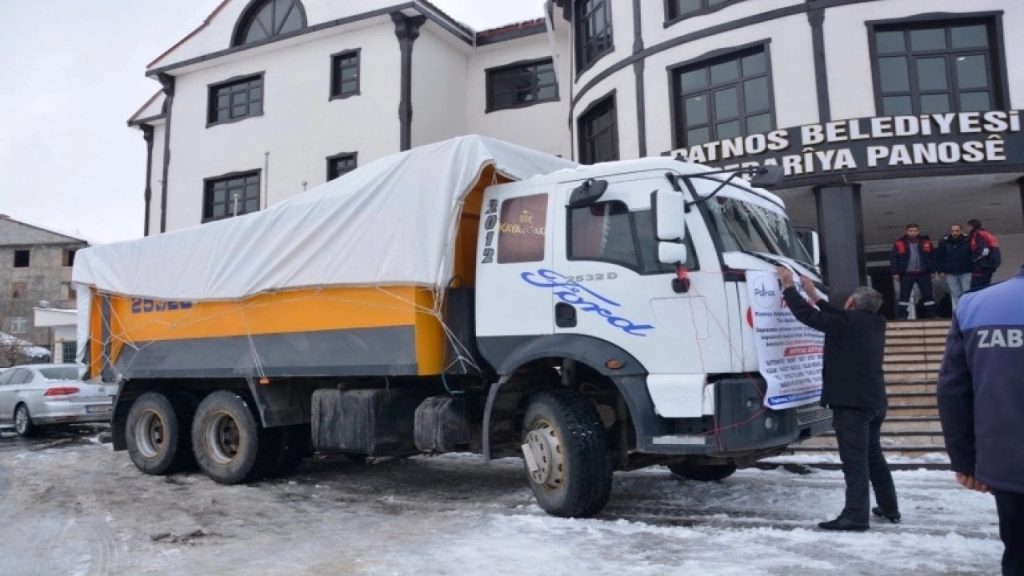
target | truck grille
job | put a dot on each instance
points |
(812, 414)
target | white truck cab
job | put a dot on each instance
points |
(634, 273)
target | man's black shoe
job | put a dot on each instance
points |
(893, 517)
(843, 524)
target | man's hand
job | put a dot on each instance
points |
(785, 276)
(970, 482)
(809, 287)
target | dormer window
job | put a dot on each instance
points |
(265, 19)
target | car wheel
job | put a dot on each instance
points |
(702, 473)
(157, 434)
(566, 455)
(226, 438)
(23, 422)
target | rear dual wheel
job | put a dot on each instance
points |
(157, 433)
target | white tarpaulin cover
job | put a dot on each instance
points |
(390, 222)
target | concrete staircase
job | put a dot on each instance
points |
(913, 356)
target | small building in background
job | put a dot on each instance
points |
(35, 272)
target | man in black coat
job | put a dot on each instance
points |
(912, 262)
(853, 386)
(954, 260)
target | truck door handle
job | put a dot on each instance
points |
(565, 315)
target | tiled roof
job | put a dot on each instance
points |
(15, 233)
(515, 27)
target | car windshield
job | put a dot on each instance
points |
(745, 226)
(60, 373)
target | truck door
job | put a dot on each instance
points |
(612, 286)
(514, 240)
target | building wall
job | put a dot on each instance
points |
(47, 280)
(439, 90)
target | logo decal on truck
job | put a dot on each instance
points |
(572, 292)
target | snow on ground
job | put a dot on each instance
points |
(74, 507)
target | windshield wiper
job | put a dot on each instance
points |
(767, 259)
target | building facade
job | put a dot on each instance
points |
(35, 271)
(882, 112)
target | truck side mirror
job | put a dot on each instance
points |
(769, 176)
(669, 215)
(811, 241)
(587, 193)
(672, 252)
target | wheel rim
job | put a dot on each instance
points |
(150, 434)
(224, 437)
(21, 420)
(546, 448)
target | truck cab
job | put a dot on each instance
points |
(626, 282)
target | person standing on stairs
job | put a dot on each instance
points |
(853, 386)
(912, 262)
(981, 400)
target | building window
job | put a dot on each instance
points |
(345, 74)
(723, 98)
(19, 325)
(522, 228)
(22, 258)
(235, 99)
(69, 256)
(519, 85)
(67, 291)
(340, 164)
(934, 67)
(68, 351)
(677, 9)
(599, 135)
(593, 31)
(19, 290)
(269, 18)
(232, 195)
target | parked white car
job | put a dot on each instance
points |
(36, 395)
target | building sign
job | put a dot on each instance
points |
(871, 147)
(789, 353)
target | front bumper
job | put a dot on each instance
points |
(740, 428)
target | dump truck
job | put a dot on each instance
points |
(465, 296)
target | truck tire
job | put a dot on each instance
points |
(563, 435)
(226, 438)
(702, 473)
(157, 434)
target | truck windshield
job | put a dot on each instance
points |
(744, 226)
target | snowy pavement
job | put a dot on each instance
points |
(72, 506)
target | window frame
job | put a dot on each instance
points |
(995, 52)
(211, 98)
(27, 252)
(336, 74)
(207, 189)
(19, 289)
(544, 199)
(706, 61)
(338, 156)
(610, 97)
(579, 48)
(69, 257)
(19, 324)
(634, 229)
(64, 345)
(521, 65)
(672, 18)
(249, 14)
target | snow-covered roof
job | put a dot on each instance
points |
(24, 346)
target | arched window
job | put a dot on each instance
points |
(268, 18)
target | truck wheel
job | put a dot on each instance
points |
(157, 434)
(226, 438)
(282, 450)
(702, 473)
(23, 422)
(567, 460)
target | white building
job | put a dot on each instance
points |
(269, 97)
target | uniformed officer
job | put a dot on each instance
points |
(981, 404)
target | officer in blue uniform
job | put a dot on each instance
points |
(981, 404)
